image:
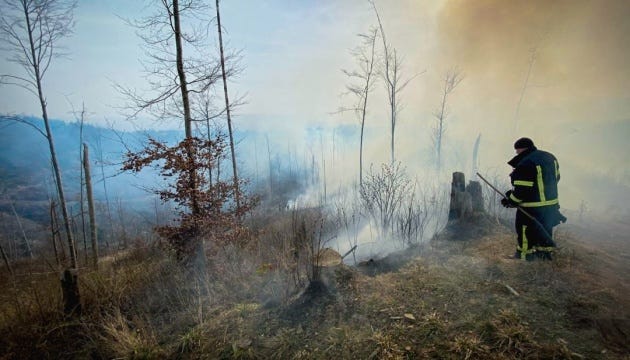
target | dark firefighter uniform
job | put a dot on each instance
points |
(535, 189)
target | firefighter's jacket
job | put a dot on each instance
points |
(534, 179)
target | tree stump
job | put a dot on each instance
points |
(71, 298)
(464, 199)
(474, 189)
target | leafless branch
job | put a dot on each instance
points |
(22, 120)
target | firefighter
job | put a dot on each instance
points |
(534, 181)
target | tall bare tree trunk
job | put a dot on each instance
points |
(532, 60)
(452, 78)
(440, 132)
(90, 200)
(53, 233)
(32, 29)
(55, 163)
(227, 108)
(475, 159)
(107, 206)
(82, 193)
(198, 259)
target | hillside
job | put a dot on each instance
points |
(456, 297)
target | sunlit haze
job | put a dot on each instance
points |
(575, 102)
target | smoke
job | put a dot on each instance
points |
(580, 46)
(554, 71)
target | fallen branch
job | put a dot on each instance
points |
(511, 290)
(349, 252)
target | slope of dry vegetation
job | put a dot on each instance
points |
(455, 297)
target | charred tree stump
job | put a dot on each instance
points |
(465, 200)
(460, 200)
(474, 189)
(71, 297)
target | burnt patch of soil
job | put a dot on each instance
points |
(309, 303)
(390, 263)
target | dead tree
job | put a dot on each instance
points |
(227, 105)
(54, 231)
(32, 30)
(101, 163)
(391, 73)
(365, 57)
(90, 200)
(81, 121)
(475, 156)
(452, 78)
(532, 59)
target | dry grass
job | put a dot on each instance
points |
(453, 299)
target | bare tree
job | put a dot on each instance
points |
(394, 82)
(175, 77)
(532, 59)
(90, 200)
(452, 78)
(383, 194)
(101, 163)
(475, 157)
(227, 105)
(32, 29)
(206, 111)
(365, 57)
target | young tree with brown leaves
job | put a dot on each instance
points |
(176, 78)
(216, 215)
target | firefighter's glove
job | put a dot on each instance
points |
(506, 202)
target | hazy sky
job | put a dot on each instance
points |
(576, 102)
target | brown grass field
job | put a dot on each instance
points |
(456, 297)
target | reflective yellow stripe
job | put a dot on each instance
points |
(555, 162)
(524, 247)
(515, 199)
(524, 183)
(541, 183)
(539, 203)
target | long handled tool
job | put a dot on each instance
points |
(520, 208)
